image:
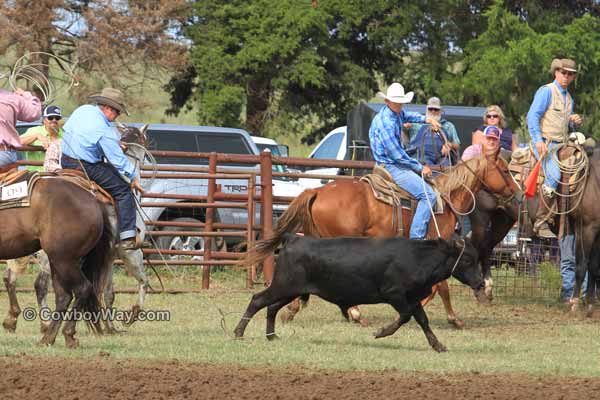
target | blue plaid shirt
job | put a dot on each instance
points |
(385, 138)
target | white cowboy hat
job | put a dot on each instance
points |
(395, 94)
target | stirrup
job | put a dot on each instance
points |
(129, 244)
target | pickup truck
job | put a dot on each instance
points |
(169, 137)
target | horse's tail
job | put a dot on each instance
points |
(96, 266)
(296, 216)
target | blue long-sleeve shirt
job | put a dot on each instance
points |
(384, 136)
(538, 108)
(89, 137)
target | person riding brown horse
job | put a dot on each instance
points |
(72, 227)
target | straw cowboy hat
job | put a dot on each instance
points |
(395, 94)
(111, 97)
(565, 63)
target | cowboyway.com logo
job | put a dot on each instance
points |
(45, 314)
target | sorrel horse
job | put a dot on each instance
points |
(73, 228)
(349, 208)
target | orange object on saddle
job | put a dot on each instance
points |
(531, 181)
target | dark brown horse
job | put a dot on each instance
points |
(491, 221)
(349, 208)
(585, 222)
(73, 228)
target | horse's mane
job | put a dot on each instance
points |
(459, 176)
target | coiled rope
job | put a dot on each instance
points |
(565, 167)
(32, 72)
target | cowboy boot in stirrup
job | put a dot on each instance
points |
(546, 210)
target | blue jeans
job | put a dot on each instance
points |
(7, 158)
(568, 265)
(109, 179)
(549, 166)
(413, 184)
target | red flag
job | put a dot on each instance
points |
(532, 179)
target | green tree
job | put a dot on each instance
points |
(254, 60)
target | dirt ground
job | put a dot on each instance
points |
(59, 378)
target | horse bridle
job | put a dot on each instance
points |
(501, 200)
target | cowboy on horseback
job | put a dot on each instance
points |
(549, 119)
(89, 140)
(385, 138)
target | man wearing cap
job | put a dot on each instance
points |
(89, 140)
(18, 105)
(548, 120)
(489, 147)
(434, 111)
(47, 135)
(388, 151)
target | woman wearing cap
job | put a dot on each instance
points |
(89, 138)
(18, 105)
(494, 116)
(388, 151)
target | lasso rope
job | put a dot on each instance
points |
(582, 164)
(462, 214)
(33, 74)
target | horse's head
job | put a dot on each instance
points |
(136, 140)
(497, 179)
(129, 134)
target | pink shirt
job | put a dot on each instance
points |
(13, 107)
(472, 151)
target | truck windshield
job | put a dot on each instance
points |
(275, 152)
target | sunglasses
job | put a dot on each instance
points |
(492, 116)
(53, 118)
(567, 73)
(433, 109)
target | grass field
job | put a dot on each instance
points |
(509, 337)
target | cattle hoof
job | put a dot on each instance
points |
(272, 336)
(45, 342)
(440, 348)
(10, 325)
(380, 333)
(456, 323)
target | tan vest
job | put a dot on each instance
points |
(555, 122)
